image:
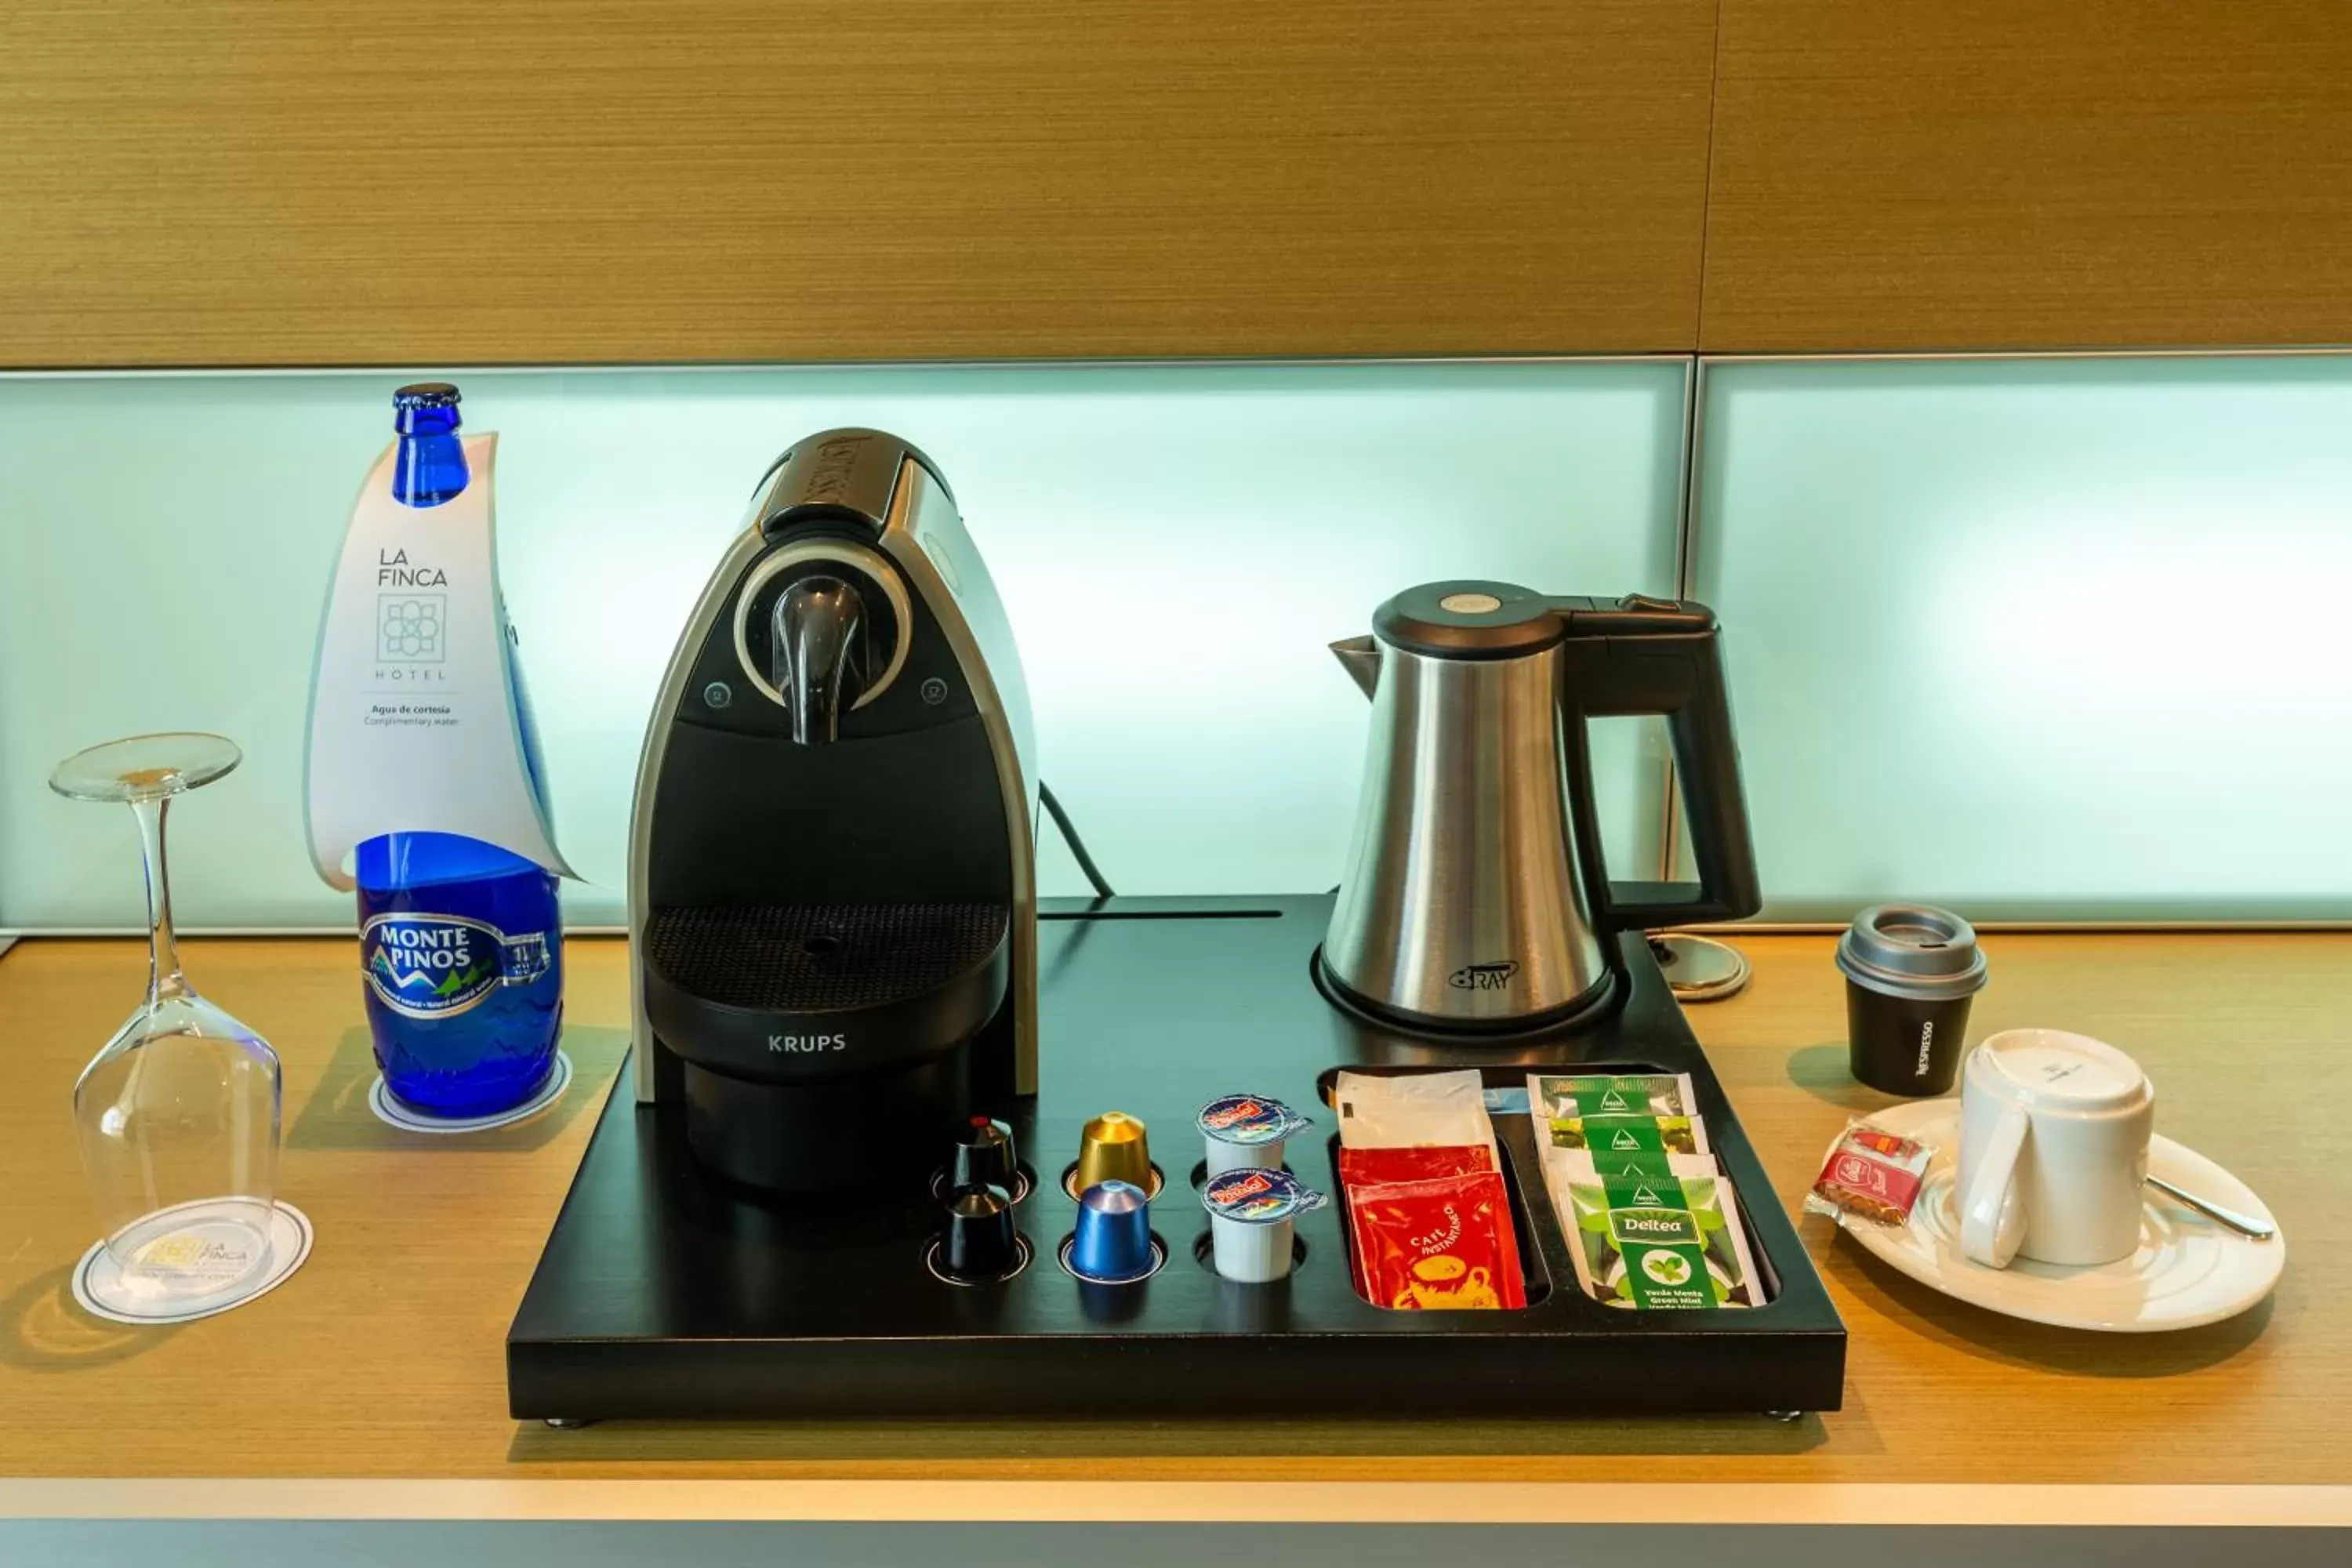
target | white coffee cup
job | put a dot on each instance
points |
(2054, 1148)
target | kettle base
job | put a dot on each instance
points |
(1605, 997)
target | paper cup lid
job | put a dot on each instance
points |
(1914, 951)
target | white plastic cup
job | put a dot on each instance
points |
(1249, 1253)
(1222, 1156)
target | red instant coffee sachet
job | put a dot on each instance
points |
(1439, 1244)
(1385, 1167)
(1363, 1169)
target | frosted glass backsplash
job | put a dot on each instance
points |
(2036, 638)
(1175, 546)
(2039, 638)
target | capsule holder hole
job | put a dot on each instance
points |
(1022, 1253)
(1024, 1182)
(1070, 1182)
(1158, 1261)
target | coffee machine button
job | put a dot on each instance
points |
(1647, 602)
(981, 1242)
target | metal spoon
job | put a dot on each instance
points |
(2261, 1230)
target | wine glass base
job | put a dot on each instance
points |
(146, 767)
(389, 1110)
(174, 1291)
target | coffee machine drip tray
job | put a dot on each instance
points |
(786, 993)
(665, 1293)
(822, 958)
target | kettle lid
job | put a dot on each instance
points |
(1470, 620)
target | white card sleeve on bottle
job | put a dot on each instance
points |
(416, 718)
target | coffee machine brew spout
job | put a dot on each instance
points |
(814, 639)
(1361, 658)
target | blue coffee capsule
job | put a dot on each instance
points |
(1113, 1244)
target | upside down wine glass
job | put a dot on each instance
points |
(178, 1114)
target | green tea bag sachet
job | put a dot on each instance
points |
(1619, 1113)
(1650, 1231)
(1631, 1134)
(1611, 1094)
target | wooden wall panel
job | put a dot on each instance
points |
(263, 181)
(1995, 174)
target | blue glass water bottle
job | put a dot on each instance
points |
(461, 941)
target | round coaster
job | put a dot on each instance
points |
(101, 1291)
(1699, 968)
(408, 1118)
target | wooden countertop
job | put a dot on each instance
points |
(374, 1383)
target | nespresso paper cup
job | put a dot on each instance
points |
(1911, 972)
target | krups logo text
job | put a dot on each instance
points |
(797, 1044)
(1483, 976)
(1927, 1043)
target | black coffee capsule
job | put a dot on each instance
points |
(981, 1242)
(983, 1157)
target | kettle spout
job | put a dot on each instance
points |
(1361, 658)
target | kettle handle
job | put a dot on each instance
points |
(1644, 656)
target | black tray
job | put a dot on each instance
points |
(661, 1295)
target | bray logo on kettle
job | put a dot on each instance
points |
(1483, 976)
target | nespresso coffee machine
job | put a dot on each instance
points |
(832, 909)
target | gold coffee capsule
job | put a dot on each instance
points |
(1112, 1149)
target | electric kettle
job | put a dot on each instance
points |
(1475, 898)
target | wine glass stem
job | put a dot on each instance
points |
(164, 980)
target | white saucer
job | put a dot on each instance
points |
(408, 1118)
(100, 1289)
(2188, 1270)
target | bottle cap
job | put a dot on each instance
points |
(425, 394)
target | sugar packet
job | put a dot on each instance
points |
(1651, 1231)
(1387, 1111)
